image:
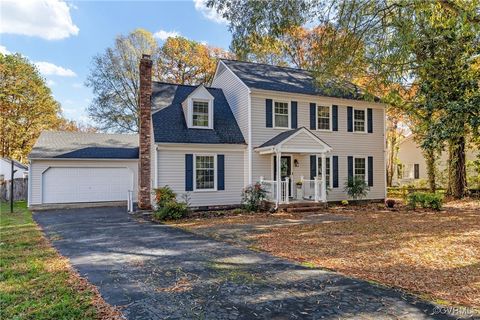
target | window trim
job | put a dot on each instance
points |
(330, 117)
(319, 174)
(365, 120)
(289, 124)
(366, 166)
(210, 113)
(215, 169)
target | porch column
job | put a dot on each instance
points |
(279, 176)
(323, 194)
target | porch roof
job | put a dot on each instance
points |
(299, 140)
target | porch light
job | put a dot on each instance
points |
(295, 162)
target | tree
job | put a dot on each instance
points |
(27, 107)
(114, 75)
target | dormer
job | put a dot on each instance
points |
(198, 109)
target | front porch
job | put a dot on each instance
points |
(289, 151)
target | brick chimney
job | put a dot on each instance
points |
(145, 130)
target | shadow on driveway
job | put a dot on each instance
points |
(160, 272)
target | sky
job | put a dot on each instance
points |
(61, 37)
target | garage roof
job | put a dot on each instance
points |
(78, 145)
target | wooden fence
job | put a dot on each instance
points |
(20, 189)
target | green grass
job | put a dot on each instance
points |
(35, 281)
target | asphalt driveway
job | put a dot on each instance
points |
(160, 272)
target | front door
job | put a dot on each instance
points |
(285, 170)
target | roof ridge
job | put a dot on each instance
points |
(88, 133)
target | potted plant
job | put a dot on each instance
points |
(299, 191)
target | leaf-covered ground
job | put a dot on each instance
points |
(36, 282)
(434, 254)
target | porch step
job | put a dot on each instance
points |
(305, 209)
(302, 204)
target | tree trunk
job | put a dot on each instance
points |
(431, 167)
(457, 172)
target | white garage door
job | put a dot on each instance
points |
(66, 185)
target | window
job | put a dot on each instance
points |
(416, 171)
(281, 115)
(323, 118)
(204, 172)
(327, 169)
(400, 171)
(200, 114)
(360, 168)
(359, 120)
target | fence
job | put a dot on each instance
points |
(20, 189)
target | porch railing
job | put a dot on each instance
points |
(312, 189)
(271, 187)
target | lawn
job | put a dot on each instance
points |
(36, 282)
(433, 254)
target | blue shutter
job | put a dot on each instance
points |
(350, 167)
(220, 172)
(335, 171)
(189, 172)
(370, 171)
(313, 166)
(335, 118)
(370, 120)
(313, 118)
(268, 113)
(350, 119)
(293, 109)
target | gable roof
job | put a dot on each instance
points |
(285, 79)
(284, 136)
(16, 163)
(169, 121)
(77, 145)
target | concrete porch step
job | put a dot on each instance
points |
(305, 209)
(301, 204)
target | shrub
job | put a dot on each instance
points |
(252, 197)
(344, 202)
(425, 200)
(171, 210)
(168, 208)
(390, 203)
(356, 188)
(164, 195)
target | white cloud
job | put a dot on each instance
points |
(164, 35)
(50, 69)
(51, 83)
(77, 85)
(48, 19)
(4, 50)
(209, 13)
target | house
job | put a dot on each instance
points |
(255, 123)
(412, 167)
(6, 169)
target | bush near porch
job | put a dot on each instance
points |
(430, 253)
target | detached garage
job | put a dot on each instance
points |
(72, 167)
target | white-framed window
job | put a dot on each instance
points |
(201, 114)
(328, 170)
(205, 169)
(360, 168)
(324, 118)
(359, 120)
(281, 115)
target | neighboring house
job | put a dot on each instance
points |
(6, 169)
(211, 142)
(412, 167)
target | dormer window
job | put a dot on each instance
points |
(200, 114)
(198, 109)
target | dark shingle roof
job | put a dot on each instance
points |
(58, 144)
(169, 121)
(275, 78)
(279, 138)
